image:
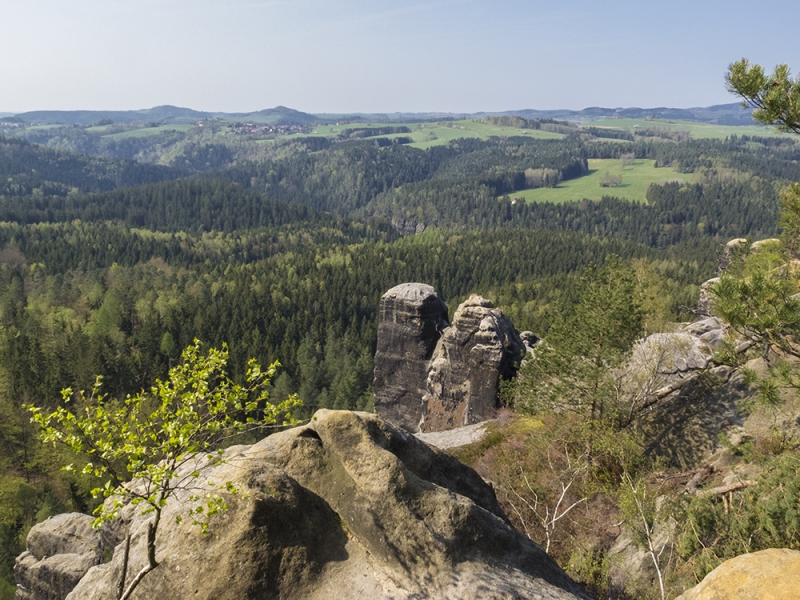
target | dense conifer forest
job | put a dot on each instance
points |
(111, 266)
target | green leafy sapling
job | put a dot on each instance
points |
(147, 447)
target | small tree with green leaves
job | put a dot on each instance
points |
(143, 446)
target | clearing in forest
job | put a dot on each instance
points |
(425, 135)
(696, 130)
(635, 179)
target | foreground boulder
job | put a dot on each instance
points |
(60, 551)
(346, 507)
(434, 376)
(767, 575)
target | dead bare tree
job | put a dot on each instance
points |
(548, 514)
(641, 518)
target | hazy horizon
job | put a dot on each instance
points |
(324, 112)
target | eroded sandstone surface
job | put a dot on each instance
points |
(772, 574)
(474, 354)
(346, 507)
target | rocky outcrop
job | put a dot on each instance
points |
(733, 248)
(433, 376)
(479, 349)
(346, 507)
(766, 575)
(695, 399)
(60, 552)
(412, 319)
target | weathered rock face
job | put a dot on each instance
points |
(60, 552)
(412, 319)
(766, 575)
(432, 376)
(346, 507)
(684, 425)
(479, 349)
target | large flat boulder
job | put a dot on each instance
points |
(346, 507)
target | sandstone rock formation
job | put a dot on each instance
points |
(691, 410)
(60, 551)
(479, 349)
(767, 575)
(412, 319)
(433, 376)
(346, 507)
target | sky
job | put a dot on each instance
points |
(342, 56)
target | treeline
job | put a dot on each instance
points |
(187, 204)
(103, 142)
(62, 326)
(360, 178)
(605, 132)
(674, 213)
(345, 177)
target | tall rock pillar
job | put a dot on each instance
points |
(412, 318)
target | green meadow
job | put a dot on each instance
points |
(430, 134)
(636, 178)
(697, 130)
(145, 131)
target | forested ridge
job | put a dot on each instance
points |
(28, 169)
(111, 266)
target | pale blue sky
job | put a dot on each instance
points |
(382, 56)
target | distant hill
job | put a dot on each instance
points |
(280, 115)
(172, 114)
(721, 114)
(26, 167)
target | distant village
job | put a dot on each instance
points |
(263, 129)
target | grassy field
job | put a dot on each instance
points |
(426, 135)
(145, 131)
(636, 179)
(697, 130)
